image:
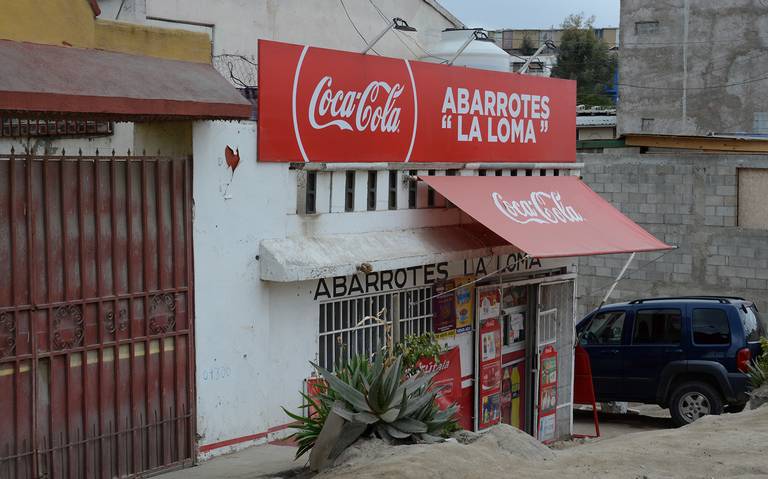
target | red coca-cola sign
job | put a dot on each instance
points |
(319, 105)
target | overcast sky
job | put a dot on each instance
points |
(497, 14)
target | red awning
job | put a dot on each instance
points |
(546, 216)
(44, 79)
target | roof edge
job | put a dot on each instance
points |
(445, 13)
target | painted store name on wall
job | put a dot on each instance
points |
(413, 276)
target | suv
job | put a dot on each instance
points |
(688, 354)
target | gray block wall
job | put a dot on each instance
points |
(696, 71)
(688, 199)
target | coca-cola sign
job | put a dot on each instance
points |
(319, 105)
(540, 207)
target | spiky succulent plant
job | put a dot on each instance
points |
(393, 406)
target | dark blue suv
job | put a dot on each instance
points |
(688, 354)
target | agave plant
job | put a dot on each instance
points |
(758, 374)
(315, 409)
(391, 405)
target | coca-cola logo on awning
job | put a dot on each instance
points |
(541, 208)
(334, 104)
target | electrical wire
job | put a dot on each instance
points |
(365, 42)
(603, 287)
(400, 36)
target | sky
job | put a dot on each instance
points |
(498, 14)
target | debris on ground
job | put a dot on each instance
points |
(758, 397)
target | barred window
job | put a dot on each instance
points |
(342, 335)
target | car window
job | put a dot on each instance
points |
(754, 327)
(605, 328)
(710, 326)
(657, 326)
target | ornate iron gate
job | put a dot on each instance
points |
(96, 339)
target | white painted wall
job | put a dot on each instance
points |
(236, 25)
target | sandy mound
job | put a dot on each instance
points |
(732, 445)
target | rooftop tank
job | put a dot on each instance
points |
(484, 54)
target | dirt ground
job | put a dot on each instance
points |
(731, 445)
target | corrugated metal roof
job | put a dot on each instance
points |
(36, 79)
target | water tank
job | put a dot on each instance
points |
(483, 54)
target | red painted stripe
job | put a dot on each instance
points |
(238, 440)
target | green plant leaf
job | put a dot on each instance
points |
(347, 392)
(410, 425)
(390, 415)
(396, 433)
(417, 404)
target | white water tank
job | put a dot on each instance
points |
(484, 54)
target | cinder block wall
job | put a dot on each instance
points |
(688, 199)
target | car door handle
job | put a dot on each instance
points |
(610, 352)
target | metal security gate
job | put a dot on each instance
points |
(96, 341)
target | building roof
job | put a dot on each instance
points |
(45, 79)
(595, 121)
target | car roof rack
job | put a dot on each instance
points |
(719, 299)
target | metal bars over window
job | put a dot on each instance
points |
(343, 333)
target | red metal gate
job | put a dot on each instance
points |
(96, 340)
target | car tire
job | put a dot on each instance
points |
(735, 408)
(693, 400)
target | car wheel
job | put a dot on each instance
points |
(694, 400)
(735, 408)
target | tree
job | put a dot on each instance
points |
(581, 56)
(527, 47)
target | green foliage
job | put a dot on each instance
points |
(527, 47)
(413, 348)
(394, 403)
(758, 369)
(583, 57)
(394, 406)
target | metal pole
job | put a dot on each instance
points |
(463, 47)
(530, 59)
(378, 37)
(618, 278)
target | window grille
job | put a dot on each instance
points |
(412, 191)
(547, 327)
(311, 193)
(341, 336)
(393, 190)
(21, 127)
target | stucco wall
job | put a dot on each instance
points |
(698, 72)
(688, 200)
(235, 25)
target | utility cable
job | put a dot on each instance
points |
(365, 42)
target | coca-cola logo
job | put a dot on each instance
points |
(335, 108)
(356, 109)
(541, 208)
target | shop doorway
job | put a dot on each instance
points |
(96, 315)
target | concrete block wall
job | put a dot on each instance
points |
(688, 199)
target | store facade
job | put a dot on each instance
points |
(355, 206)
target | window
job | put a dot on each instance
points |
(606, 328)
(412, 191)
(754, 326)
(20, 127)
(393, 190)
(710, 326)
(657, 326)
(341, 334)
(646, 124)
(349, 197)
(498, 172)
(481, 173)
(528, 172)
(310, 198)
(372, 175)
(752, 190)
(646, 28)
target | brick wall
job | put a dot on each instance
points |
(685, 199)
